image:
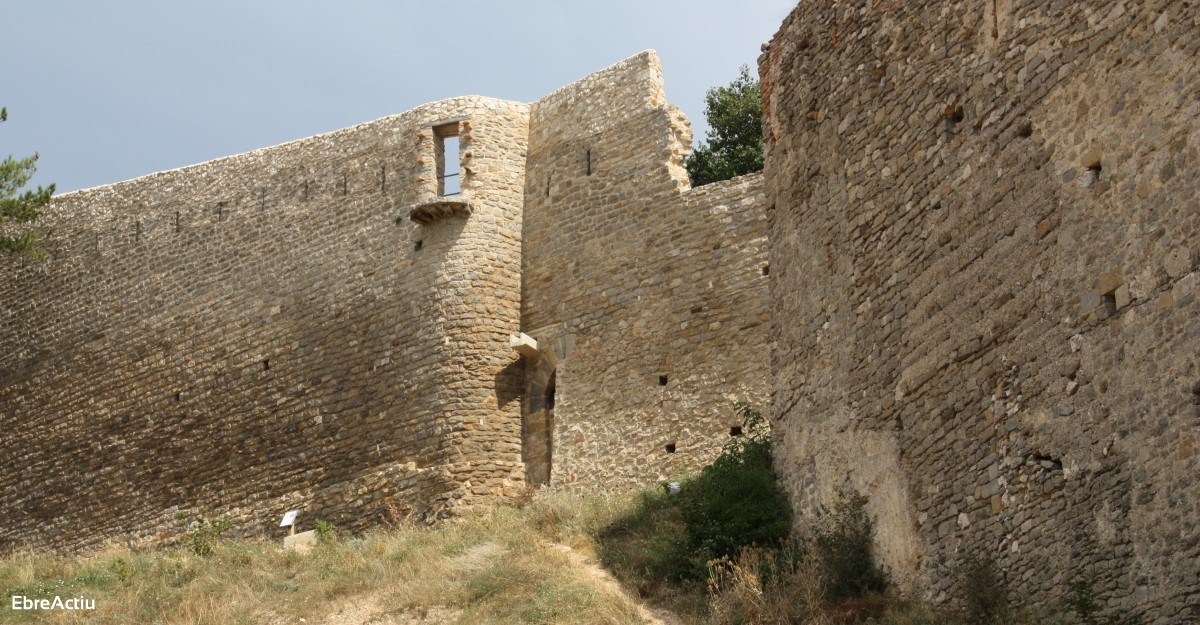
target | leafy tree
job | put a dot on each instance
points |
(734, 143)
(17, 206)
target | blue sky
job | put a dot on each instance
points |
(107, 91)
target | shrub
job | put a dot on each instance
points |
(826, 574)
(326, 533)
(201, 539)
(663, 546)
(1085, 605)
(843, 542)
(984, 599)
(735, 502)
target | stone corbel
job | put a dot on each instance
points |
(524, 345)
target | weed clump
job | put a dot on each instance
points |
(326, 532)
(827, 572)
(206, 532)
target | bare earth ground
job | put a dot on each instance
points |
(370, 608)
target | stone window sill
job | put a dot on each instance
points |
(430, 211)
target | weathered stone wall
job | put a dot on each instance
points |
(984, 240)
(647, 298)
(258, 333)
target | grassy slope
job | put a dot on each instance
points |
(508, 566)
(511, 565)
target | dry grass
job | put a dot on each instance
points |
(506, 566)
(510, 565)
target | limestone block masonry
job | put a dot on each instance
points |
(648, 298)
(257, 333)
(985, 230)
(324, 325)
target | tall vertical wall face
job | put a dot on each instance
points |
(647, 298)
(257, 333)
(985, 229)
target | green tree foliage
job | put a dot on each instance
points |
(734, 144)
(17, 206)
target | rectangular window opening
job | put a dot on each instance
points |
(447, 158)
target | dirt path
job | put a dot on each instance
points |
(589, 569)
(370, 608)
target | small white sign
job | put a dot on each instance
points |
(289, 518)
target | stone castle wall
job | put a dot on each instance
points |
(648, 298)
(984, 232)
(258, 333)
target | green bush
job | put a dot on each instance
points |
(646, 549)
(735, 502)
(206, 531)
(843, 541)
(827, 573)
(326, 532)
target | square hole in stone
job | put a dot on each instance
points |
(735, 430)
(662, 380)
(1110, 304)
(670, 448)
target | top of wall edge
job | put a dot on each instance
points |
(648, 58)
(648, 55)
(467, 100)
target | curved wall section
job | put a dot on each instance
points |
(259, 333)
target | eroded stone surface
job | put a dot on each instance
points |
(983, 241)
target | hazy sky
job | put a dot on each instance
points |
(107, 91)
